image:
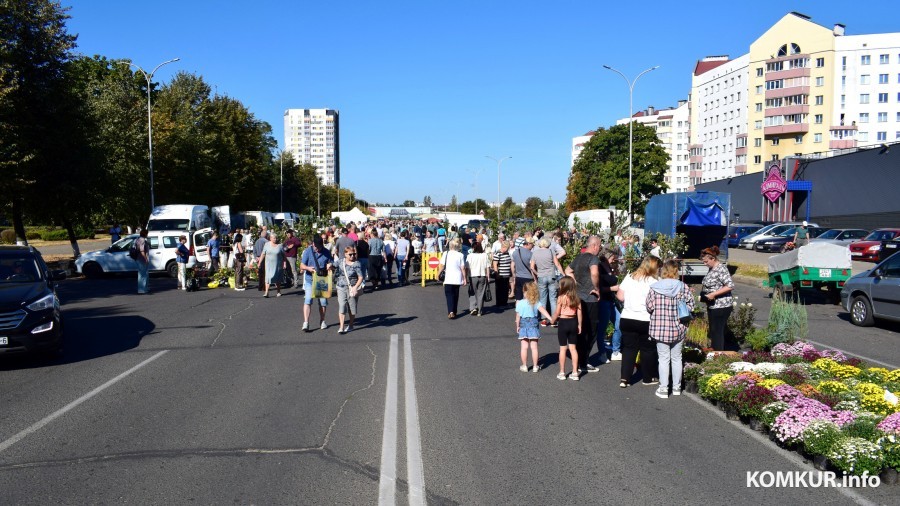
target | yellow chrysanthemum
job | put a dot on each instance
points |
(714, 384)
(869, 389)
(825, 364)
(771, 383)
(832, 387)
(845, 371)
(876, 404)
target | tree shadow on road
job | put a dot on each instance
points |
(89, 334)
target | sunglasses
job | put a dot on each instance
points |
(351, 254)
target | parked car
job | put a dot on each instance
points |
(874, 294)
(162, 254)
(738, 231)
(750, 241)
(868, 248)
(889, 248)
(777, 244)
(842, 236)
(30, 316)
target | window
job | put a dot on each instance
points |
(759, 72)
(863, 136)
(818, 118)
(757, 159)
(882, 136)
(154, 242)
(757, 124)
(864, 79)
(820, 81)
(882, 78)
(758, 107)
(884, 59)
(820, 62)
(882, 117)
(864, 98)
(863, 117)
(775, 141)
(882, 98)
(757, 142)
(817, 138)
(170, 241)
(798, 139)
(865, 60)
(759, 90)
(898, 117)
(820, 99)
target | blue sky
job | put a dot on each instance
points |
(426, 89)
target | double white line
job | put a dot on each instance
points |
(387, 485)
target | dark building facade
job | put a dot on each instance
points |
(854, 190)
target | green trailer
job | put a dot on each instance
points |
(814, 266)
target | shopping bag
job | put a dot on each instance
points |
(321, 286)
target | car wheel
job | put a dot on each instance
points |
(778, 291)
(172, 269)
(861, 312)
(92, 270)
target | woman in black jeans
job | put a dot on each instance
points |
(716, 293)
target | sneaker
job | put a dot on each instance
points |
(523, 368)
(653, 381)
(473, 312)
(348, 329)
(236, 289)
(536, 368)
(662, 394)
(603, 359)
(305, 327)
(623, 384)
(676, 391)
(616, 356)
(544, 323)
(341, 330)
(561, 376)
(323, 326)
(591, 368)
(575, 376)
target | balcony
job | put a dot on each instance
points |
(787, 92)
(793, 128)
(740, 170)
(842, 144)
(696, 159)
(786, 110)
(787, 74)
(740, 151)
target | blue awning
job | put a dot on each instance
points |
(700, 215)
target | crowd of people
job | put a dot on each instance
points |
(592, 294)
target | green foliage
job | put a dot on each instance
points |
(599, 177)
(32, 235)
(532, 205)
(788, 321)
(862, 427)
(819, 437)
(741, 321)
(856, 456)
(669, 247)
(698, 333)
(54, 235)
(757, 339)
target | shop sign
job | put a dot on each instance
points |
(774, 185)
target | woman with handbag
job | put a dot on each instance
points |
(349, 280)
(635, 323)
(478, 267)
(666, 326)
(716, 293)
(453, 273)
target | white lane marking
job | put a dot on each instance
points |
(414, 467)
(387, 483)
(850, 353)
(68, 407)
(790, 456)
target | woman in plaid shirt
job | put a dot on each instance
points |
(665, 328)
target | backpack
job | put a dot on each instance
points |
(133, 251)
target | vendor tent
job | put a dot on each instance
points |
(354, 215)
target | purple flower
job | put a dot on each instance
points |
(785, 393)
(835, 355)
(790, 424)
(891, 424)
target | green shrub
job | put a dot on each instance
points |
(855, 456)
(8, 236)
(788, 321)
(32, 235)
(758, 339)
(862, 428)
(54, 235)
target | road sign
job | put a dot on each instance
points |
(434, 262)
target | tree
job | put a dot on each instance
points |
(34, 49)
(454, 203)
(509, 210)
(409, 203)
(599, 177)
(532, 205)
(427, 201)
(469, 206)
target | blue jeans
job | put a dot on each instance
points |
(607, 314)
(364, 266)
(143, 276)
(617, 333)
(547, 286)
(401, 269)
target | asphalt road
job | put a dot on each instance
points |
(217, 397)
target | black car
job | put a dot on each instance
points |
(777, 244)
(30, 318)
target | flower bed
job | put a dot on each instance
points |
(837, 411)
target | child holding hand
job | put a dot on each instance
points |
(568, 312)
(527, 326)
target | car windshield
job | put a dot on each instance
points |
(787, 233)
(881, 235)
(831, 234)
(168, 224)
(778, 229)
(18, 268)
(765, 229)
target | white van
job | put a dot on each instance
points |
(179, 217)
(260, 217)
(602, 217)
(289, 219)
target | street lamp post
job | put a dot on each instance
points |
(499, 161)
(630, 128)
(475, 172)
(148, 78)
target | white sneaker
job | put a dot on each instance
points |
(305, 327)
(591, 368)
(536, 368)
(616, 356)
(348, 329)
(323, 326)
(662, 394)
(676, 391)
(523, 368)
(575, 376)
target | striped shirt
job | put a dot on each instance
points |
(504, 264)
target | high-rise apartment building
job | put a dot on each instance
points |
(313, 136)
(718, 118)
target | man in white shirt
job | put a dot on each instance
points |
(496, 246)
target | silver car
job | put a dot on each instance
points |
(874, 294)
(841, 236)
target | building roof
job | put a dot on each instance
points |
(704, 65)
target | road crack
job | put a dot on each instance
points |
(224, 326)
(349, 397)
